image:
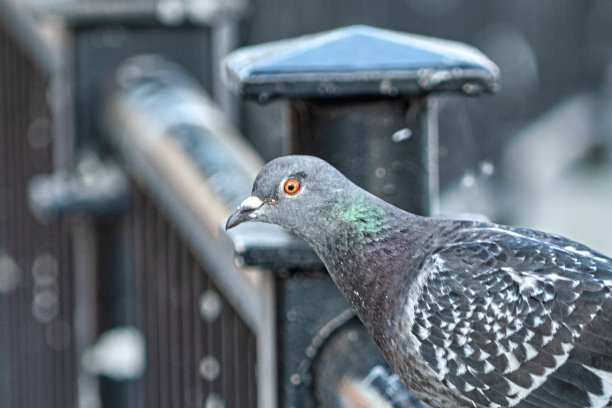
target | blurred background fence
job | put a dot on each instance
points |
(37, 301)
(118, 287)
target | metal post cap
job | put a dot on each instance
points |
(358, 60)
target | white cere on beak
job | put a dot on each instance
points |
(251, 203)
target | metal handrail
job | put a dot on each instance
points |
(181, 148)
(23, 29)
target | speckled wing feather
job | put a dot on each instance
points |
(512, 317)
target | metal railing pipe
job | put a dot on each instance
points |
(168, 131)
(23, 29)
(350, 372)
(181, 149)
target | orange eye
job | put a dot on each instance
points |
(292, 186)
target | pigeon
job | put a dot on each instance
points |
(468, 313)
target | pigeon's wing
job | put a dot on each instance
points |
(514, 321)
(552, 240)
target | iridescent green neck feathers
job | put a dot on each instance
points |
(359, 217)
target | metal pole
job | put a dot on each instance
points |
(350, 372)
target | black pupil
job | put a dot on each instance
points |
(291, 187)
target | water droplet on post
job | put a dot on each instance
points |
(45, 305)
(468, 180)
(472, 89)
(210, 305)
(45, 270)
(210, 368)
(401, 135)
(263, 97)
(387, 88)
(214, 401)
(327, 88)
(10, 274)
(487, 168)
(170, 12)
(389, 189)
(239, 262)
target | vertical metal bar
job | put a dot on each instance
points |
(189, 304)
(133, 233)
(200, 338)
(21, 299)
(217, 336)
(148, 276)
(252, 368)
(5, 298)
(173, 269)
(430, 124)
(22, 241)
(224, 39)
(12, 245)
(161, 290)
(225, 356)
(85, 284)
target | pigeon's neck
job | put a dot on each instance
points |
(346, 223)
(359, 219)
(363, 241)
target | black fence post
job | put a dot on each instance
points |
(359, 97)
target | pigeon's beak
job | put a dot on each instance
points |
(246, 212)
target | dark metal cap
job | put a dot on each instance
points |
(358, 60)
(78, 13)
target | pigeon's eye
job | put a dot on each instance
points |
(292, 186)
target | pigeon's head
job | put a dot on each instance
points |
(291, 191)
